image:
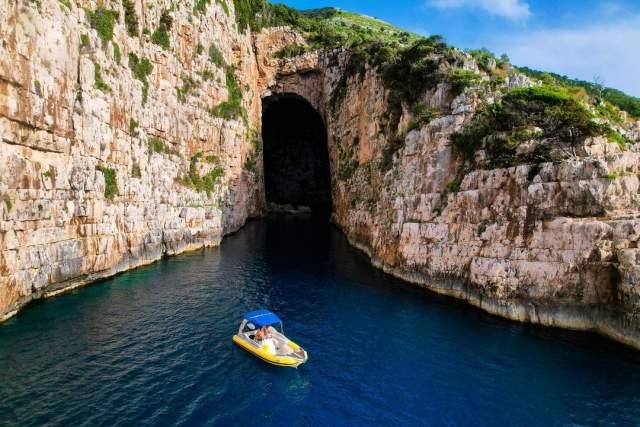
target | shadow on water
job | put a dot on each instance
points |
(153, 347)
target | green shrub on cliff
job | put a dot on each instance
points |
(330, 28)
(84, 40)
(347, 165)
(133, 126)
(157, 145)
(407, 71)
(483, 58)
(416, 68)
(232, 108)
(422, 116)
(141, 69)
(100, 84)
(627, 103)
(325, 28)
(461, 79)
(201, 6)
(117, 56)
(291, 51)
(612, 176)
(188, 84)
(202, 183)
(161, 38)
(8, 204)
(216, 57)
(206, 75)
(103, 20)
(251, 162)
(615, 138)
(161, 35)
(252, 14)
(224, 5)
(608, 111)
(130, 17)
(498, 127)
(556, 110)
(110, 182)
(38, 87)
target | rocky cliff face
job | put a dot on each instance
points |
(552, 242)
(108, 162)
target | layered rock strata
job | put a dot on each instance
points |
(99, 158)
(554, 243)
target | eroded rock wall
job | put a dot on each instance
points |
(555, 243)
(65, 124)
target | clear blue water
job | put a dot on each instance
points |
(153, 347)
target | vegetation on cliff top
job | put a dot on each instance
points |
(561, 111)
(291, 51)
(625, 102)
(551, 113)
(371, 40)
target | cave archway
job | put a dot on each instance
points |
(296, 158)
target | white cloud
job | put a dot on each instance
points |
(607, 50)
(512, 9)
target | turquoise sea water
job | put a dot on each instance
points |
(153, 347)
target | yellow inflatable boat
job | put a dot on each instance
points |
(258, 334)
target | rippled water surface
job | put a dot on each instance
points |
(153, 347)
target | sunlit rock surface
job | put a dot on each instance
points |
(555, 244)
(58, 129)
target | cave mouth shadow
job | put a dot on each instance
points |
(296, 157)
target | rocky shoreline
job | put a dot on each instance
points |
(578, 318)
(88, 279)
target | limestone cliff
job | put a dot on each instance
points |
(552, 242)
(113, 151)
(98, 177)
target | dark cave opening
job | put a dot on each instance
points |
(296, 158)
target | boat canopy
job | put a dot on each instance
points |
(262, 318)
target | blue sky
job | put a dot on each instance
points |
(580, 38)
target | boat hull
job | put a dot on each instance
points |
(284, 361)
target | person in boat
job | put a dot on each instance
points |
(261, 334)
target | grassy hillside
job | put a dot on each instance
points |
(355, 26)
(618, 98)
(377, 42)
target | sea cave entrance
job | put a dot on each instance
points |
(296, 158)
